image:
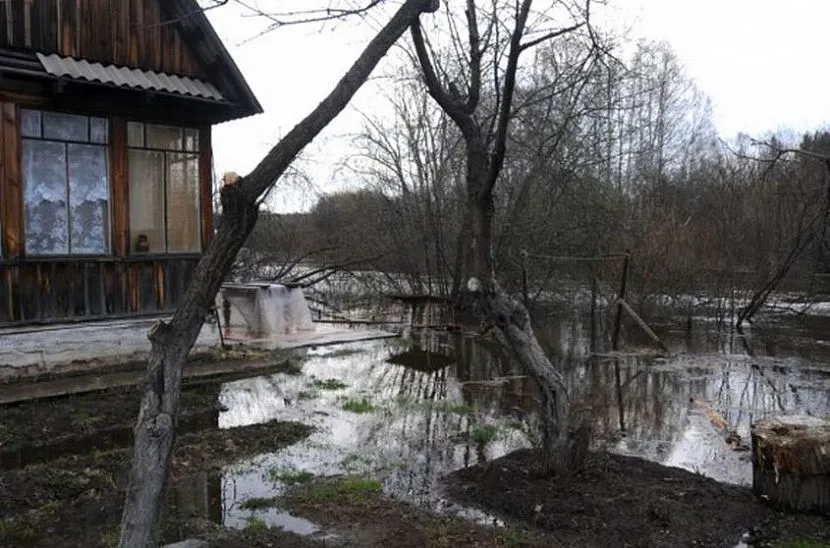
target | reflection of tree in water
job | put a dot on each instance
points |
(655, 398)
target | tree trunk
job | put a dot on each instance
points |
(170, 342)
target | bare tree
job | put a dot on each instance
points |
(171, 342)
(485, 139)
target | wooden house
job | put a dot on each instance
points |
(106, 108)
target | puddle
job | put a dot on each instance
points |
(419, 424)
(464, 402)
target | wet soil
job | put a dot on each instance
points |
(362, 516)
(34, 430)
(77, 500)
(625, 501)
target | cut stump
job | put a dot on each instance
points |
(791, 463)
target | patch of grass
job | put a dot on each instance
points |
(800, 543)
(258, 503)
(456, 408)
(308, 395)
(354, 460)
(483, 434)
(329, 384)
(348, 489)
(358, 406)
(511, 538)
(255, 523)
(290, 476)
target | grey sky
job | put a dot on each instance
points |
(760, 61)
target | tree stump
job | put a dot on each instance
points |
(791, 463)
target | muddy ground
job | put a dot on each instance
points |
(624, 501)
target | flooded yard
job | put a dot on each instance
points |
(405, 414)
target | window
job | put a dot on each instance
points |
(66, 183)
(164, 188)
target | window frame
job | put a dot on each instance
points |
(108, 223)
(195, 152)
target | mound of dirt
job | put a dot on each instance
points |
(624, 501)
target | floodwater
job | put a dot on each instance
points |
(435, 402)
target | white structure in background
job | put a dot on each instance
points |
(265, 309)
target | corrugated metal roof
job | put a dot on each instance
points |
(127, 77)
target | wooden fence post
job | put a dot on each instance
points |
(615, 336)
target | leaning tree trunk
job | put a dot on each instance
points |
(170, 342)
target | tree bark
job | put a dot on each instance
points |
(154, 432)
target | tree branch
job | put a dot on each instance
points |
(474, 91)
(451, 106)
(503, 116)
(551, 36)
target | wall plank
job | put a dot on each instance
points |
(69, 27)
(119, 181)
(13, 193)
(206, 185)
(18, 22)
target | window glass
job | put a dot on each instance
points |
(65, 127)
(29, 123)
(88, 199)
(135, 134)
(165, 207)
(98, 130)
(147, 201)
(163, 137)
(191, 140)
(183, 199)
(45, 197)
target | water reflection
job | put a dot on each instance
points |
(439, 414)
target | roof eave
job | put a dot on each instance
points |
(190, 10)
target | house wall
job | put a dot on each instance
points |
(134, 33)
(118, 283)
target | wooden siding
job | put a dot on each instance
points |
(136, 33)
(120, 187)
(206, 185)
(67, 289)
(11, 190)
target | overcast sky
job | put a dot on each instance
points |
(762, 62)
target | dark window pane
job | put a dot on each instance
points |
(135, 134)
(29, 122)
(183, 203)
(163, 137)
(146, 201)
(88, 199)
(44, 178)
(98, 130)
(65, 127)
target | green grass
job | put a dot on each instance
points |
(483, 434)
(255, 523)
(258, 503)
(329, 384)
(456, 408)
(290, 476)
(358, 406)
(800, 543)
(308, 395)
(354, 460)
(350, 489)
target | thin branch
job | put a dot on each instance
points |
(551, 35)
